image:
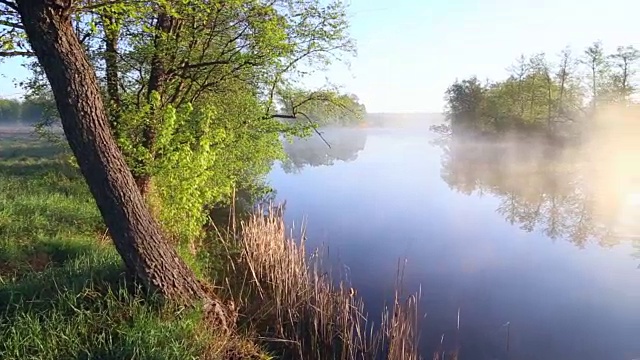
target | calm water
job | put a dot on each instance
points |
(507, 233)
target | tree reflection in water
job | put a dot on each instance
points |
(584, 192)
(345, 145)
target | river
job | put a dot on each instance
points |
(513, 236)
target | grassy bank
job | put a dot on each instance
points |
(64, 293)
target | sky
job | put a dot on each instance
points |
(409, 51)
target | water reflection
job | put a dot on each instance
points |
(561, 190)
(562, 301)
(335, 145)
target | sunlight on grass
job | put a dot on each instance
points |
(63, 292)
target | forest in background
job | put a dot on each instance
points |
(547, 94)
(22, 112)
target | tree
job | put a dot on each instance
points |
(189, 53)
(135, 233)
(624, 63)
(180, 93)
(539, 94)
(168, 72)
(28, 111)
(519, 72)
(545, 70)
(569, 94)
(541, 90)
(10, 111)
(498, 106)
(596, 62)
(34, 109)
(464, 101)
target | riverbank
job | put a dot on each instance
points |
(65, 293)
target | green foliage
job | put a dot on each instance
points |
(201, 155)
(212, 119)
(541, 95)
(207, 127)
(465, 99)
(624, 71)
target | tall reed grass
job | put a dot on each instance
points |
(301, 312)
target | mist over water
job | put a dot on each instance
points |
(527, 231)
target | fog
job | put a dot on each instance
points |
(8, 130)
(538, 231)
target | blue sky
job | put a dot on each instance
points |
(409, 51)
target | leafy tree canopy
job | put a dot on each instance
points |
(195, 88)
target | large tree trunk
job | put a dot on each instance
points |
(136, 235)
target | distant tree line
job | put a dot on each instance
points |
(28, 111)
(541, 93)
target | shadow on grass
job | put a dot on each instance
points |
(42, 199)
(87, 309)
(42, 290)
(41, 255)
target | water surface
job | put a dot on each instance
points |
(507, 233)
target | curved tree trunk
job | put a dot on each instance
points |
(136, 235)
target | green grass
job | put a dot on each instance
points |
(47, 216)
(63, 293)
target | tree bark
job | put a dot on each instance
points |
(157, 80)
(111, 32)
(136, 235)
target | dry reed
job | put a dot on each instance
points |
(301, 312)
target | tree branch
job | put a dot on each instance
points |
(85, 37)
(98, 5)
(16, 53)
(315, 129)
(282, 116)
(10, 4)
(188, 66)
(11, 24)
(211, 63)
